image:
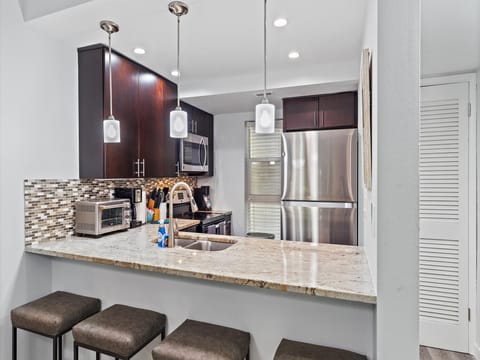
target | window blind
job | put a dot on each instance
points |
(263, 185)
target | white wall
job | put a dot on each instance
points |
(228, 184)
(37, 139)
(367, 200)
(450, 36)
(397, 210)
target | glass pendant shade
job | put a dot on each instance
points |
(111, 130)
(178, 123)
(265, 118)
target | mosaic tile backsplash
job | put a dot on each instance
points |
(50, 204)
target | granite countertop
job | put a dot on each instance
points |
(324, 270)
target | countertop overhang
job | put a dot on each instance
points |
(323, 270)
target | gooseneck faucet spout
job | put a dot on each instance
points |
(172, 232)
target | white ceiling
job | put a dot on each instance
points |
(222, 42)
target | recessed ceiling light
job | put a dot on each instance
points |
(294, 55)
(280, 22)
(174, 73)
(139, 51)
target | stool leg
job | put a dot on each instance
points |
(162, 335)
(97, 355)
(75, 350)
(55, 348)
(14, 343)
(248, 356)
(60, 348)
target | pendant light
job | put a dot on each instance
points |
(265, 112)
(111, 126)
(178, 117)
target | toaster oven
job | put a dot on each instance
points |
(99, 217)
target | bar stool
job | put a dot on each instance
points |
(288, 350)
(52, 316)
(119, 331)
(201, 341)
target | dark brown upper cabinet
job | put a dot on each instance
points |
(331, 111)
(201, 123)
(142, 101)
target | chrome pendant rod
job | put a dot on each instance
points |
(110, 72)
(178, 61)
(265, 50)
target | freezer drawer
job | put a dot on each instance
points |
(320, 166)
(334, 223)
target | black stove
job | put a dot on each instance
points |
(204, 217)
(211, 222)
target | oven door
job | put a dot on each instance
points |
(112, 218)
(194, 154)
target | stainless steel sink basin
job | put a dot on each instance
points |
(184, 242)
(205, 245)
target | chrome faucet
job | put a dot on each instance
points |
(172, 232)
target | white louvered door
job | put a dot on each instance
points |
(443, 207)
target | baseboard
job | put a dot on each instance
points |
(476, 351)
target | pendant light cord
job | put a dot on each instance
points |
(265, 50)
(178, 61)
(110, 71)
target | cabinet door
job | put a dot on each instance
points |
(338, 110)
(170, 147)
(151, 122)
(300, 113)
(120, 157)
(154, 106)
(204, 125)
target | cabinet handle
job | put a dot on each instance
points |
(137, 164)
(143, 167)
(315, 114)
(323, 119)
(178, 168)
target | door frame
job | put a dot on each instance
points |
(471, 79)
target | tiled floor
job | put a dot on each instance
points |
(436, 354)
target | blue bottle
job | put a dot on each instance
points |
(161, 236)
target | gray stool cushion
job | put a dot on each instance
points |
(202, 341)
(294, 350)
(120, 329)
(54, 314)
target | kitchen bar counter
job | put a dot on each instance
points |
(324, 270)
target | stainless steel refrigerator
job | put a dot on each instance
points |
(319, 186)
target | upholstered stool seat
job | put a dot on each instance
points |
(52, 316)
(119, 331)
(294, 350)
(203, 341)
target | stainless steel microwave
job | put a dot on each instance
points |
(194, 154)
(98, 217)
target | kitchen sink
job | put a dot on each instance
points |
(206, 245)
(184, 242)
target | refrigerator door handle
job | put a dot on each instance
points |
(330, 205)
(284, 172)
